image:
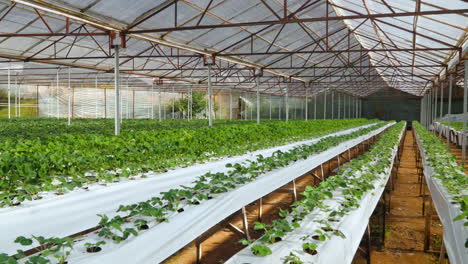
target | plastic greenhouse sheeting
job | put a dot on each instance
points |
(76, 211)
(335, 249)
(167, 238)
(455, 234)
(456, 136)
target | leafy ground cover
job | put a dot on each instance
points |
(351, 182)
(135, 218)
(446, 169)
(47, 155)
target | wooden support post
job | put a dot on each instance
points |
(235, 229)
(427, 226)
(384, 216)
(322, 174)
(442, 252)
(198, 245)
(260, 209)
(294, 190)
(246, 223)
(368, 236)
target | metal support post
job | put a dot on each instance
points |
(465, 101)
(287, 103)
(449, 108)
(325, 105)
(210, 98)
(117, 90)
(258, 100)
(69, 96)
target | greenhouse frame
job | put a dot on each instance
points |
(233, 131)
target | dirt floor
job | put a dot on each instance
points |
(404, 230)
(224, 243)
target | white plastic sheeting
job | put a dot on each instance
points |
(455, 135)
(100, 103)
(333, 250)
(76, 211)
(162, 240)
(455, 234)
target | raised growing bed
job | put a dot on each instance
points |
(65, 159)
(196, 216)
(73, 212)
(327, 225)
(448, 186)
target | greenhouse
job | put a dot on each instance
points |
(233, 131)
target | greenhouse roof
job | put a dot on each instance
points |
(353, 46)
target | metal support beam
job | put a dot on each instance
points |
(315, 107)
(449, 107)
(339, 110)
(230, 104)
(304, 20)
(9, 94)
(465, 101)
(117, 89)
(258, 100)
(69, 97)
(57, 100)
(332, 105)
(210, 98)
(325, 105)
(287, 102)
(306, 105)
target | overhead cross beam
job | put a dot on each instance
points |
(303, 20)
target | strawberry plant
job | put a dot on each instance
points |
(370, 167)
(445, 169)
(206, 186)
(46, 155)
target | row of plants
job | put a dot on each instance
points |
(455, 125)
(135, 218)
(446, 169)
(348, 186)
(65, 161)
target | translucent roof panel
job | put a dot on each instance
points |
(386, 43)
